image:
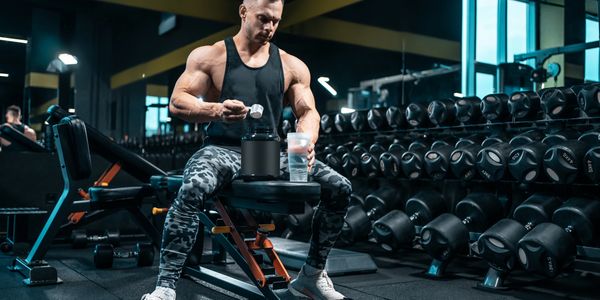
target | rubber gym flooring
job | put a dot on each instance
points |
(397, 278)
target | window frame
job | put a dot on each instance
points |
(470, 67)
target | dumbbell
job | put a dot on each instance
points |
(358, 120)
(448, 234)
(104, 254)
(463, 160)
(442, 112)
(395, 117)
(416, 115)
(389, 161)
(494, 107)
(437, 159)
(526, 138)
(369, 161)
(498, 245)
(358, 195)
(323, 150)
(563, 161)
(560, 136)
(397, 229)
(492, 161)
(351, 161)
(80, 239)
(524, 106)
(342, 122)
(376, 119)
(327, 124)
(591, 164)
(559, 103)
(468, 110)
(357, 223)
(357, 226)
(299, 222)
(525, 162)
(588, 99)
(334, 160)
(412, 160)
(551, 247)
(383, 200)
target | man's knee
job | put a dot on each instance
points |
(339, 190)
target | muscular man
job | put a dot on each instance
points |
(13, 118)
(229, 76)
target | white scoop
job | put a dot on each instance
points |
(256, 111)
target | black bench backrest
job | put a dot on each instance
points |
(18, 140)
(132, 163)
(73, 147)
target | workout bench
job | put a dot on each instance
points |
(71, 139)
(241, 237)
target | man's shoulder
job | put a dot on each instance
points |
(291, 60)
(292, 63)
(215, 49)
(207, 54)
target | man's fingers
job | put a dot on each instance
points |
(311, 163)
(234, 105)
(235, 117)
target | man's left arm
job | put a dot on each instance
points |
(302, 102)
(30, 133)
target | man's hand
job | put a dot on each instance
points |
(311, 156)
(233, 110)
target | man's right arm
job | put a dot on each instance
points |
(193, 83)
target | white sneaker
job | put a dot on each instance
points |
(317, 286)
(160, 293)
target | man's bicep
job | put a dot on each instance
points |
(193, 82)
(301, 97)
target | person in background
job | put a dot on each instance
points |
(13, 119)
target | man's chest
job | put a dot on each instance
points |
(219, 72)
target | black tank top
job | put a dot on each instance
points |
(263, 85)
(19, 127)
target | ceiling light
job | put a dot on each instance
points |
(3, 74)
(13, 40)
(324, 82)
(71, 110)
(67, 59)
(458, 95)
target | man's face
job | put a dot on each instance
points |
(9, 117)
(260, 20)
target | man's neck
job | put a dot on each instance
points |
(244, 45)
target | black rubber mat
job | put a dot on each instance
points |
(395, 279)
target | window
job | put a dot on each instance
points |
(516, 29)
(486, 43)
(591, 55)
(485, 84)
(493, 32)
(157, 115)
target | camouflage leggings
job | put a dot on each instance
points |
(211, 168)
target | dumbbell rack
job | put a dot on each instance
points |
(588, 258)
(514, 125)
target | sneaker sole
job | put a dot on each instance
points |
(306, 294)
